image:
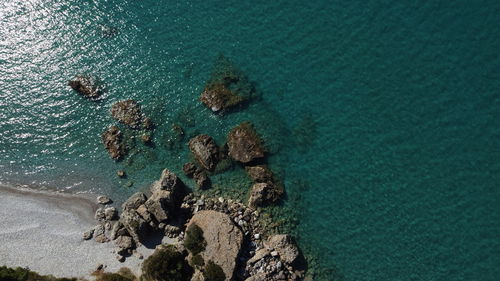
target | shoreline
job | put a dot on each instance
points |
(43, 230)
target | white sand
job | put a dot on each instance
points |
(43, 231)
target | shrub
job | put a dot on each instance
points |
(197, 260)
(194, 240)
(166, 264)
(213, 272)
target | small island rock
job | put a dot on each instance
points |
(205, 151)
(112, 139)
(127, 112)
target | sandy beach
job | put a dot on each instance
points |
(43, 231)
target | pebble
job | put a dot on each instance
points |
(221, 199)
(88, 234)
(120, 173)
(274, 253)
(120, 258)
(256, 236)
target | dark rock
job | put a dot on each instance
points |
(112, 139)
(120, 258)
(202, 180)
(189, 169)
(86, 86)
(260, 173)
(134, 201)
(244, 144)
(263, 194)
(103, 200)
(127, 112)
(147, 123)
(205, 151)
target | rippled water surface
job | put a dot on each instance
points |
(381, 117)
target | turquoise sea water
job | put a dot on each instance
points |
(382, 117)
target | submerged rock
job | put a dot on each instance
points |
(259, 173)
(127, 112)
(202, 180)
(205, 151)
(244, 144)
(112, 139)
(86, 86)
(218, 97)
(223, 239)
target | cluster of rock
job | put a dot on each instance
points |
(140, 216)
(243, 145)
(235, 241)
(232, 231)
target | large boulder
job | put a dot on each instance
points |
(86, 86)
(166, 196)
(285, 245)
(127, 112)
(112, 139)
(223, 239)
(264, 193)
(205, 151)
(244, 144)
(135, 225)
(134, 201)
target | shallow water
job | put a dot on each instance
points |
(382, 118)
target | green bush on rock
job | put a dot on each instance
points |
(213, 272)
(194, 240)
(197, 260)
(166, 264)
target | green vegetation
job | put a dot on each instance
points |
(112, 277)
(166, 264)
(194, 240)
(22, 274)
(213, 272)
(197, 260)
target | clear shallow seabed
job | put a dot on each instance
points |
(383, 118)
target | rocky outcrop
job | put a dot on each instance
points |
(103, 199)
(112, 139)
(86, 86)
(205, 150)
(166, 196)
(244, 144)
(128, 112)
(218, 97)
(223, 239)
(264, 193)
